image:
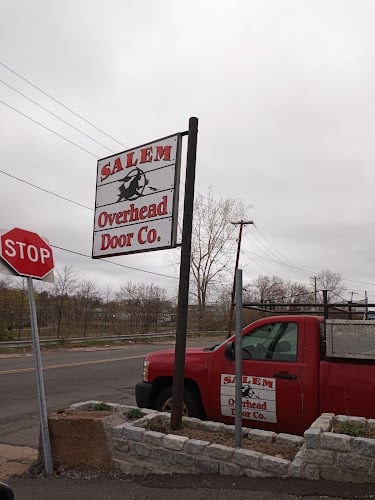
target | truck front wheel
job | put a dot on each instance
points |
(191, 405)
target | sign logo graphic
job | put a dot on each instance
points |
(133, 185)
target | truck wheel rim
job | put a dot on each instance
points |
(167, 407)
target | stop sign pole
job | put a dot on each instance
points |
(27, 254)
(46, 445)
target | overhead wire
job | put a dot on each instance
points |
(244, 252)
(45, 190)
(270, 256)
(61, 104)
(49, 129)
(357, 281)
(56, 116)
(286, 260)
(272, 260)
(115, 263)
(273, 247)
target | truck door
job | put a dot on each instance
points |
(272, 381)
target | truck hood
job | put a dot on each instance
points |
(191, 352)
(161, 363)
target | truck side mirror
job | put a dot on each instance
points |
(230, 351)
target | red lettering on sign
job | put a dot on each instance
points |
(143, 155)
(117, 166)
(105, 171)
(146, 155)
(130, 161)
(123, 240)
(163, 152)
(134, 214)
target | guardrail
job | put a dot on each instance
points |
(78, 340)
(108, 338)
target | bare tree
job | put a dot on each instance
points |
(65, 284)
(5, 285)
(109, 308)
(299, 293)
(21, 305)
(85, 300)
(268, 289)
(328, 280)
(213, 244)
(142, 306)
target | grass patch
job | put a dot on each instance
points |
(135, 413)
(348, 428)
(100, 407)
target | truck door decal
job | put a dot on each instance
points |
(258, 397)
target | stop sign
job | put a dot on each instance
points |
(26, 252)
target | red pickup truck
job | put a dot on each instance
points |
(294, 368)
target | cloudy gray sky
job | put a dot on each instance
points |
(284, 92)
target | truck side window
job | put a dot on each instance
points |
(273, 341)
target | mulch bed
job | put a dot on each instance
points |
(285, 451)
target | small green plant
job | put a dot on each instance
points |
(135, 413)
(100, 407)
(348, 428)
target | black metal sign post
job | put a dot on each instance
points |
(183, 291)
(238, 361)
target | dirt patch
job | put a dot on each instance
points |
(15, 460)
(285, 451)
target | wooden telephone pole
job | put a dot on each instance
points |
(240, 223)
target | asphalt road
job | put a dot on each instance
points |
(185, 487)
(70, 376)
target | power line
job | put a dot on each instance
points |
(115, 263)
(45, 190)
(280, 254)
(56, 116)
(273, 260)
(272, 256)
(49, 129)
(60, 103)
(255, 262)
(356, 281)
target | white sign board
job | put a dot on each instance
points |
(136, 205)
(258, 397)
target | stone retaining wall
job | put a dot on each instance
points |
(323, 455)
(339, 457)
(185, 455)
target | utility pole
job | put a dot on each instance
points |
(315, 291)
(240, 223)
